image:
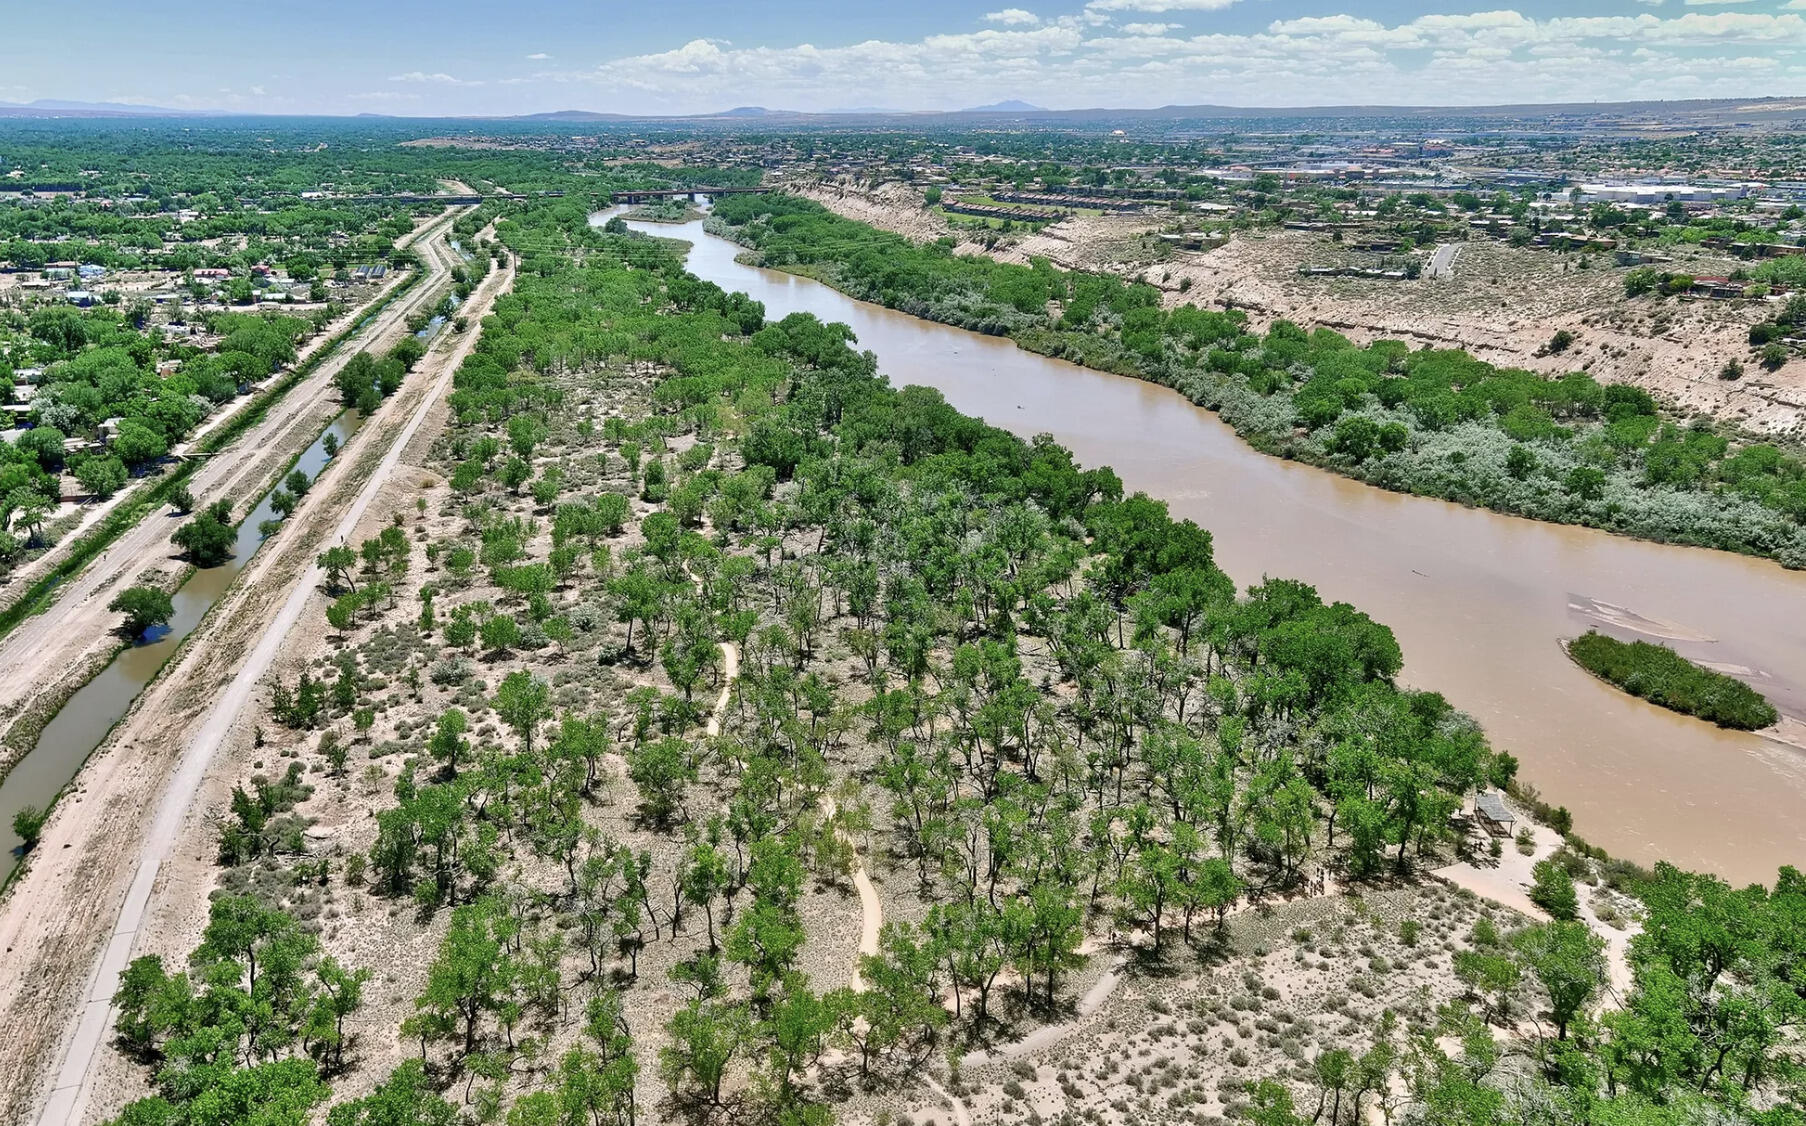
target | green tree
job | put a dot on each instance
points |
(523, 701)
(338, 562)
(209, 537)
(143, 607)
(102, 476)
(705, 1036)
(1552, 889)
(470, 976)
(1568, 959)
(662, 769)
(137, 445)
(447, 744)
(1491, 975)
(28, 825)
(406, 1098)
(500, 632)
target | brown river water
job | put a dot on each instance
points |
(1480, 602)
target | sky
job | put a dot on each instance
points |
(478, 57)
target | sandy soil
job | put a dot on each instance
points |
(871, 908)
(1502, 304)
(100, 850)
(1507, 881)
(51, 654)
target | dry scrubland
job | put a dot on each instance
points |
(1135, 1031)
(1503, 304)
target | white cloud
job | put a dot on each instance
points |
(1157, 6)
(1013, 17)
(538, 55)
(437, 78)
(1086, 59)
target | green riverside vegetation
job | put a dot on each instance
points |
(1660, 675)
(1040, 702)
(1431, 422)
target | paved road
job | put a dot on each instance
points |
(74, 1078)
(1442, 261)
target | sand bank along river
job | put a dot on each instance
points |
(1479, 601)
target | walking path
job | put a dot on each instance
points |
(871, 908)
(730, 670)
(961, 1116)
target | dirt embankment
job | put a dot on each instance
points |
(101, 842)
(49, 656)
(1502, 304)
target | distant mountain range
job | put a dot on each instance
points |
(1701, 111)
(1011, 106)
(55, 107)
(1769, 111)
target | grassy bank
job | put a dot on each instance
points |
(1429, 422)
(1660, 675)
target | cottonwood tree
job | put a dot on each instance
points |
(469, 978)
(705, 1036)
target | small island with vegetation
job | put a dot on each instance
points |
(1660, 675)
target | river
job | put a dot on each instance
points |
(1480, 602)
(90, 713)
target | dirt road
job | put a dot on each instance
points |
(51, 654)
(72, 920)
(1442, 261)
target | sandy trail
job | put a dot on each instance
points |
(1050, 1034)
(78, 904)
(730, 669)
(871, 908)
(51, 653)
(961, 1116)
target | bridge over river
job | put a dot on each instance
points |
(679, 193)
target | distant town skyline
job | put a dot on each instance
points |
(456, 57)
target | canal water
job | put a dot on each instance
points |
(87, 717)
(1480, 602)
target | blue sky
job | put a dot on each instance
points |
(452, 57)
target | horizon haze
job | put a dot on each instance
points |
(411, 59)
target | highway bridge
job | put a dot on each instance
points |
(448, 200)
(645, 195)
